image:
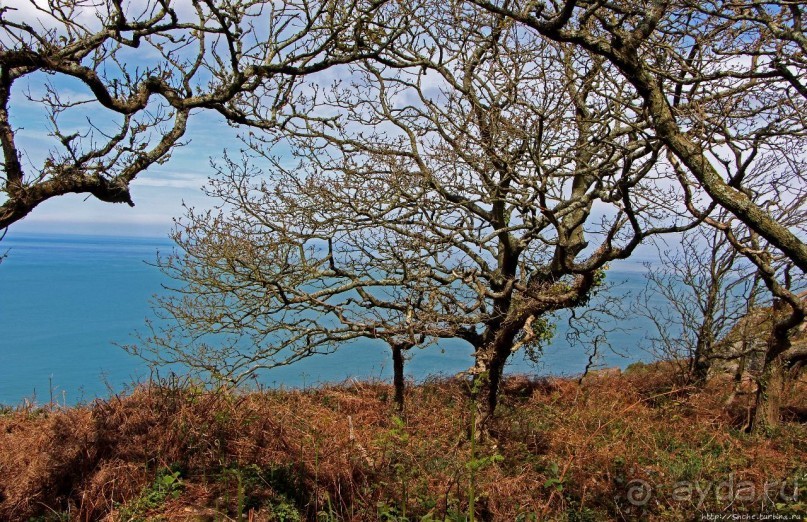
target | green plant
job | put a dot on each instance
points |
(330, 514)
(555, 480)
(576, 512)
(250, 487)
(167, 484)
(387, 513)
(243, 477)
(797, 504)
(239, 510)
(397, 440)
(285, 511)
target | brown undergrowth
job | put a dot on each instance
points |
(617, 447)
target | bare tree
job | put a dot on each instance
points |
(526, 163)
(481, 175)
(281, 274)
(694, 296)
(762, 150)
(772, 172)
(144, 68)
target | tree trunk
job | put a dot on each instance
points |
(702, 358)
(738, 379)
(701, 364)
(770, 392)
(773, 380)
(488, 372)
(398, 376)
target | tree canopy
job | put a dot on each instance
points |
(473, 181)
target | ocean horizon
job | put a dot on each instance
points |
(69, 301)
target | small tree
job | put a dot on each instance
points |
(260, 285)
(771, 168)
(705, 287)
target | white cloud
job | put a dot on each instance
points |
(177, 180)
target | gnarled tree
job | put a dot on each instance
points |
(283, 272)
(493, 172)
(690, 62)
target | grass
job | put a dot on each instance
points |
(562, 451)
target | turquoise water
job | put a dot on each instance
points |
(66, 300)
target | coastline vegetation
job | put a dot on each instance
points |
(636, 445)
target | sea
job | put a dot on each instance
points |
(68, 302)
